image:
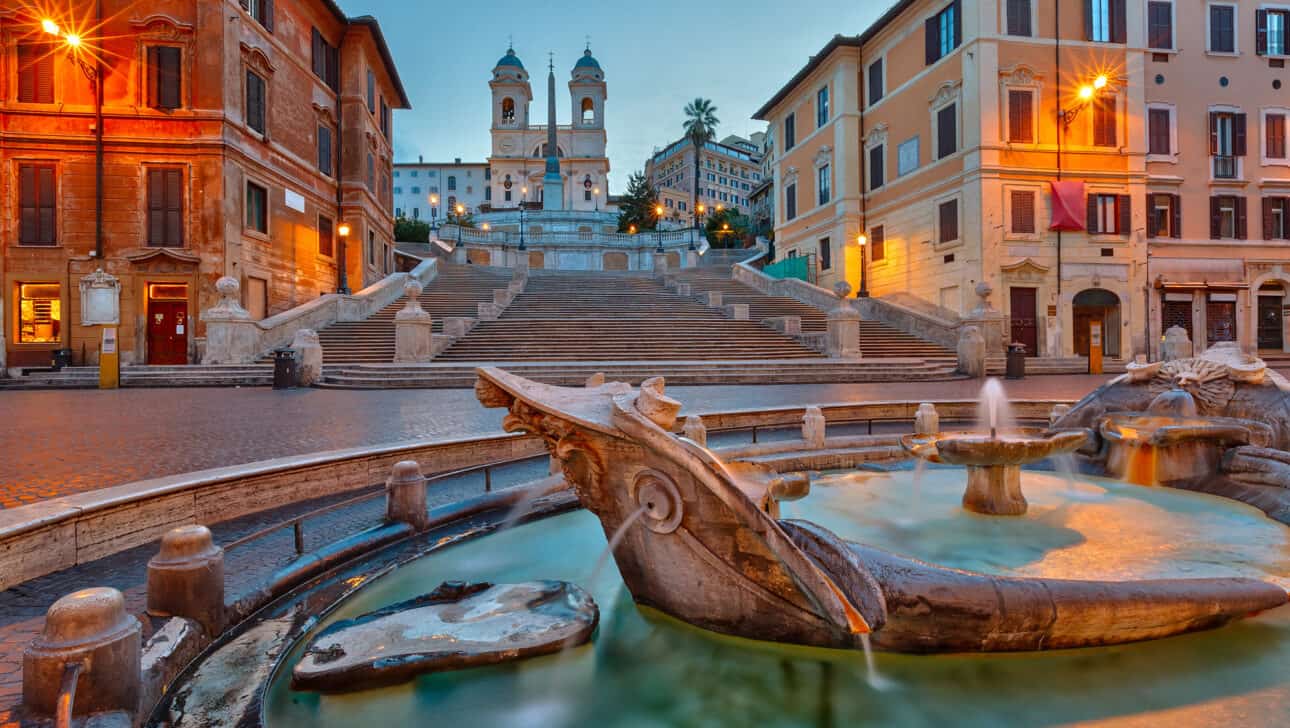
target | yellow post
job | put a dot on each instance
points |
(109, 360)
(1095, 347)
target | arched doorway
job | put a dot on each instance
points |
(1101, 306)
(1270, 324)
(615, 261)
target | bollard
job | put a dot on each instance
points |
(186, 578)
(90, 628)
(927, 421)
(695, 430)
(813, 426)
(714, 299)
(405, 495)
(595, 380)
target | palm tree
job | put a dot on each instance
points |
(700, 126)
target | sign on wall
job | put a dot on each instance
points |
(294, 200)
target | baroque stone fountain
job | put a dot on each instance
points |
(701, 540)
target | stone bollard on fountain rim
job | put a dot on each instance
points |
(814, 428)
(186, 578)
(695, 430)
(405, 495)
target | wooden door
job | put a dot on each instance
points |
(1270, 322)
(1220, 321)
(1083, 317)
(167, 332)
(1025, 324)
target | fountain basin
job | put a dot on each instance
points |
(994, 462)
(1149, 448)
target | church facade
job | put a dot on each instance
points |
(524, 168)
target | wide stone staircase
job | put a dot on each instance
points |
(456, 291)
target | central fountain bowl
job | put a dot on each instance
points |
(1150, 448)
(994, 461)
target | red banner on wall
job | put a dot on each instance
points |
(1068, 206)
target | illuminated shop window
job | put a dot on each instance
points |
(40, 313)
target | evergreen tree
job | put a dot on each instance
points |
(411, 231)
(637, 206)
(727, 228)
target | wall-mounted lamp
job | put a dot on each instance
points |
(1086, 94)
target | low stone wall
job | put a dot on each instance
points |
(52, 535)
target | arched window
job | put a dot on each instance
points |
(588, 111)
(542, 150)
(508, 110)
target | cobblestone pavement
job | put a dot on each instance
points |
(54, 443)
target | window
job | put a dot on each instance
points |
(875, 82)
(1270, 32)
(821, 107)
(164, 77)
(907, 156)
(1274, 133)
(1164, 216)
(877, 244)
(1023, 212)
(255, 101)
(1109, 214)
(452, 183)
(1222, 28)
(385, 118)
(488, 194)
(1104, 121)
(371, 172)
(415, 190)
(35, 73)
(1276, 218)
(1019, 17)
(1227, 217)
(876, 167)
(262, 11)
(257, 208)
(1226, 142)
(371, 92)
(327, 237)
(325, 61)
(1160, 25)
(1104, 21)
(790, 201)
(508, 110)
(166, 208)
(1159, 131)
(324, 150)
(948, 219)
(822, 184)
(37, 206)
(947, 131)
(790, 132)
(1021, 116)
(942, 33)
(826, 254)
(40, 313)
(371, 247)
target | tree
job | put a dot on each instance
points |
(636, 207)
(728, 229)
(411, 231)
(700, 126)
(465, 219)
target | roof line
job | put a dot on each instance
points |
(838, 41)
(384, 49)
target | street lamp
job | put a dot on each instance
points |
(595, 192)
(658, 233)
(434, 213)
(342, 280)
(863, 241)
(461, 209)
(524, 198)
(1086, 93)
(94, 73)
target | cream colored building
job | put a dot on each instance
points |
(728, 172)
(519, 147)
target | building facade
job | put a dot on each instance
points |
(728, 172)
(429, 191)
(236, 137)
(520, 148)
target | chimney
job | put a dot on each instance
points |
(457, 160)
(421, 159)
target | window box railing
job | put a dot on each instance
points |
(1224, 167)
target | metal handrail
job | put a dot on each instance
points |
(67, 694)
(296, 522)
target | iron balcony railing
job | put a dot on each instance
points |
(1224, 167)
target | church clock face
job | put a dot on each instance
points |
(508, 145)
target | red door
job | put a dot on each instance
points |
(167, 332)
(1025, 327)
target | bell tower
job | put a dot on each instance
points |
(587, 92)
(512, 93)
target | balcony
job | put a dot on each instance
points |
(1224, 167)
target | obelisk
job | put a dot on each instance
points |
(552, 182)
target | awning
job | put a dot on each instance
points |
(1068, 206)
(1197, 273)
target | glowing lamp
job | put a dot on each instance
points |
(50, 27)
(73, 40)
(862, 240)
(343, 230)
(1085, 93)
(461, 209)
(1100, 82)
(658, 210)
(485, 227)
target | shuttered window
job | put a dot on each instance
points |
(35, 73)
(1105, 21)
(1019, 17)
(1158, 132)
(165, 77)
(1276, 226)
(262, 11)
(947, 131)
(1160, 25)
(1021, 116)
(371, 92)
(875, 82)
(37, 206)
(324, 150)
(166, 208)
(257, 208)
(877, 168)
(1227, 217)
(790, 202)
(1275, 132)
(1222, 28)
(325, 60)
(1270, 31)
(1109, 214)
(326, 238)
(877, 243)
(826, 254)
(1104, 121)
(1164, 215)
(942, 33)
(948, 218)
(790, 131)
(385, 119)
(1023, 212)
(255, 101)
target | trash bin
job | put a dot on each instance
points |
(61, 358)
(285, 368)
(1016, 361)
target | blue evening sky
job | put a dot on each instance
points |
(656, 56)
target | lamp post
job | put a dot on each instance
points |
(460, 210)
(342, 278)
(658, 233)
(1086, 94)
(524, 197)
(434, 213)
(863, 241)
(94, 73)
(595, 193)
